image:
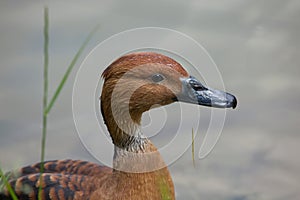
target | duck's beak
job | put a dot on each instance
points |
(194, 92)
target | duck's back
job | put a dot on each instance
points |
(62, 179)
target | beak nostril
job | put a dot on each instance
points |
(196, 85)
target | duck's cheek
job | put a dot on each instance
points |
(141, 102)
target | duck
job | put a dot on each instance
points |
(133, 84)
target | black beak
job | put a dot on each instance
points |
(194, 92)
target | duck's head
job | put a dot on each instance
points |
(137, 82)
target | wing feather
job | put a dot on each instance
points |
(61, 180)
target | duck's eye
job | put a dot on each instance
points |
(157, 78)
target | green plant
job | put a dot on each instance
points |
(48, 106)
(7, 185)
(193, 147)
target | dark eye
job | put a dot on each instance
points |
(157, 78)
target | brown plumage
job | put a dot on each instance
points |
(62, 179)
(133, 84)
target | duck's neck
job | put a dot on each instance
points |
(133, 151)
(134, 154)
(125, 133)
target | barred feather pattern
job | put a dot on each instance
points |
(61, 180)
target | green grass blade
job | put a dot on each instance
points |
(193, 147)
(66, 75)
(45, 95)
(8, 186)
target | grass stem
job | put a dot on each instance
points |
(45, 96)
(193, 147)
(8, 186)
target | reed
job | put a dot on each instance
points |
(48, 106)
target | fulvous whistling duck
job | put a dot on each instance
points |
(133, 84)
